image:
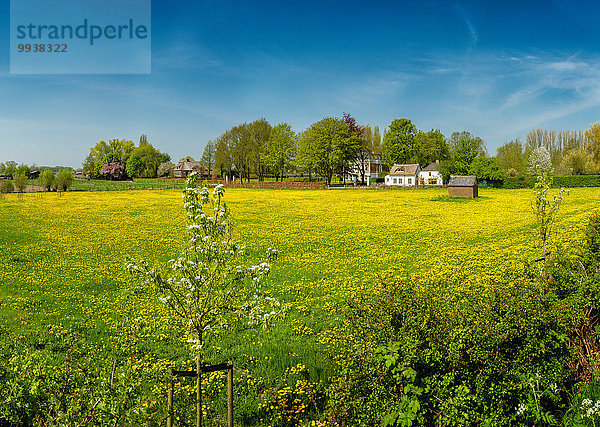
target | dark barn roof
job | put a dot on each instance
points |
(462, 181)
(431, 167)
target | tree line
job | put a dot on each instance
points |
(338, 146)
(563, 152)
(334, 146)
(50, 178)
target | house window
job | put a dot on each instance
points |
(395, 181)
(429, 173)
(400, 180)
(409, 181)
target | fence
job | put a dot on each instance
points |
(206, 369)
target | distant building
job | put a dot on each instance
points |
(430, 175)
(373, 167)
(403, 175)
(463, 186)
(186, 166)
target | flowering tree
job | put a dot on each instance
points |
(540, 161)
(113, 170)
(545, 210)
(206, 286)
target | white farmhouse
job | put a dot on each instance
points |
(403, 175)
(430, 175)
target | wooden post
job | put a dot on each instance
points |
(198, 391)
(230, 394)
(170, 400)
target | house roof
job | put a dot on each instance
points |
(431, 167)
(188, 166)
(404, 170)
(462, 181)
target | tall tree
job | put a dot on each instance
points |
(223, 161)
(399, 142)
(430, 146)
(280, 149)
(238, 138)
(593, 140)
(259, 132)
(370, 146)
(511, 158)
(208, 156)
(144, 160)
(464, 148)
(363, 152)
(330, 145)
(304, 158)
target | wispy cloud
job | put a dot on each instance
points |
(474, 35)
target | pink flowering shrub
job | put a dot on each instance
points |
(113, 171)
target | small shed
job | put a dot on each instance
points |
(463, 186)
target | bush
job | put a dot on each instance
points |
(20, 182)
(425, 352)
(591, 248)
(7, 187)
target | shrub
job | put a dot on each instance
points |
(113, 171)
(436, 353)
(591, 249)
(20, 182)
(7, 187)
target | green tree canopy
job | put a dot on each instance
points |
(593, 140)
(487, 168)
(23, 169)
(430, 146)
(511, 156)
(64, 179)
(115, 150)
(578, 162)
(259, 132)
(399, 142)
(20, 181)
(10, 168)
(329, 146)
(47, 179)
(223, 160)
(280, 149)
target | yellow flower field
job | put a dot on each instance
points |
(62, 262)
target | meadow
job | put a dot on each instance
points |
(66, 305)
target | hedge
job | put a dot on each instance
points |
(559, 181)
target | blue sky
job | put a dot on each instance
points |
(496, 69)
